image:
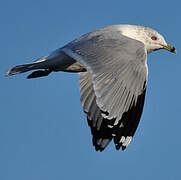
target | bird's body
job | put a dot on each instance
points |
(112, 64)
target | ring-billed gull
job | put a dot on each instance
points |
(112, 64)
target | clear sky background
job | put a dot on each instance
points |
(43, 131)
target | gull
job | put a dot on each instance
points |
(112, 65)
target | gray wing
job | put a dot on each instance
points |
(102, 135)
(118, 69)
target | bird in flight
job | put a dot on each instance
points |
(112, 65)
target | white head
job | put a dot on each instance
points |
(151, 38)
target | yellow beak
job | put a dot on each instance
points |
(170, 48)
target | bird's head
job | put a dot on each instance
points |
(152, 39)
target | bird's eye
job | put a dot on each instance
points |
(154, 38)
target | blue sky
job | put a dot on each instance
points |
(43, 131)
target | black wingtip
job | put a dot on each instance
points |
(123, 148)
(98, 148)
(117, 146)
(101, 149)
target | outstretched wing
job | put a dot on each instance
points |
(118, 73)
